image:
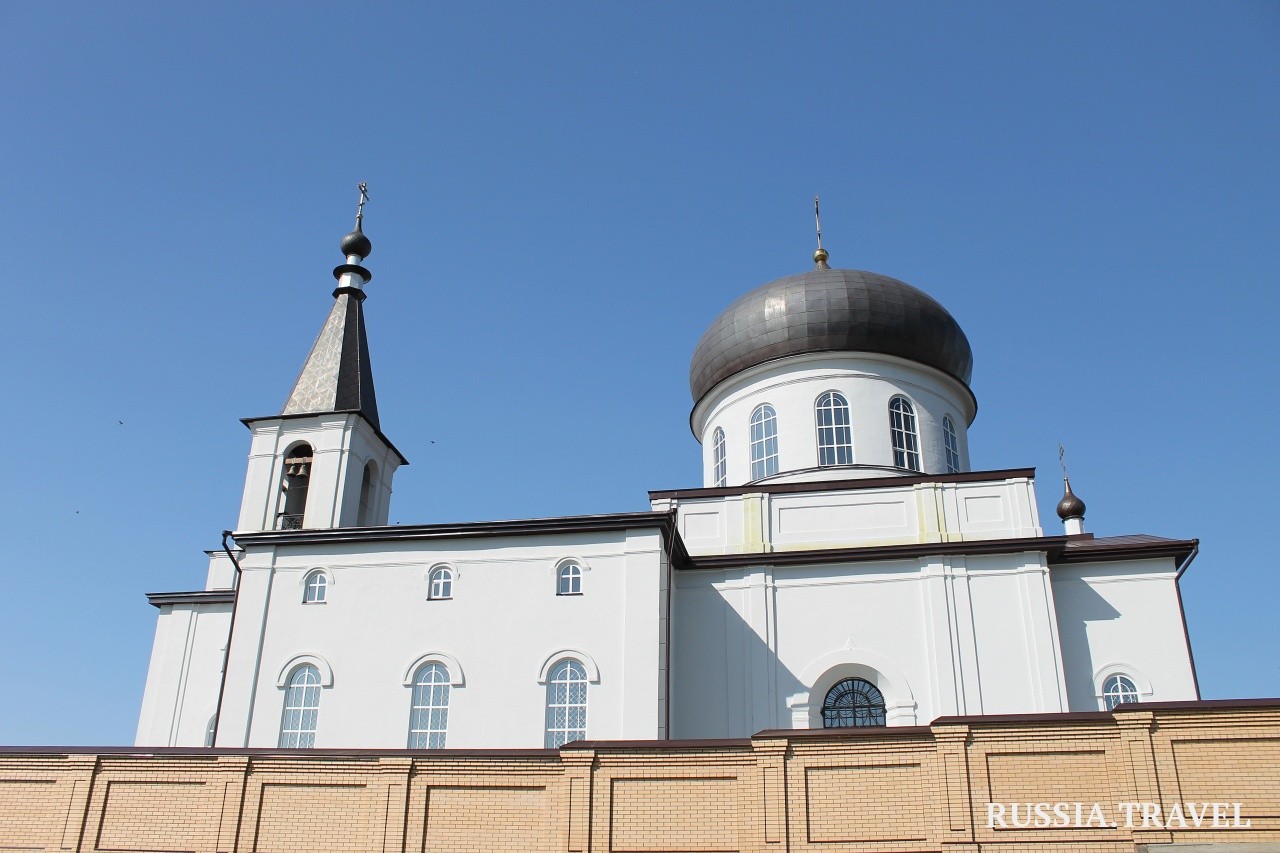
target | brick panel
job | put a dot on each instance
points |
(875, 802)
(130, 820)
(667, 814)
(301, 818)
(490, 818)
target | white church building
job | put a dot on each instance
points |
(840, 565)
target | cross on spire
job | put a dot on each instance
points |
(820, 256)
(364, 196)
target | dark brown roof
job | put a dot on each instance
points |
(200, 596)
(1059, 550)
(664, 521)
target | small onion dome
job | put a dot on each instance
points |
(356, 243)
(829, 310)
(1070, 506)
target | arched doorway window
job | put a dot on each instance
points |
(853, 702)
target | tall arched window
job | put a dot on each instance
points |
(569, 580)
(301, 708)
(902, 426)
(566, 704)
(1117, 689)
(441, 585)
(293, 488)
(853, 702)
(720, 465)
(951, 444)
(835, 437)
(764, 442)
(367, 482)
(429, 713)
(315, 588)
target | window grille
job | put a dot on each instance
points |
(853, 702)
(566, 704)
(301, 708)
(1117, 689)
(429, 711)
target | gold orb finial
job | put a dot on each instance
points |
(820, 258)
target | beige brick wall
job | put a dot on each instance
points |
(874, 791)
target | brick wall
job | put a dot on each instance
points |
(870, 790)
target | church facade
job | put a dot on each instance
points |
(841, 565)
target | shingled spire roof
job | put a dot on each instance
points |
(337, 376)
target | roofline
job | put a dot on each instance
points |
(664, 521)
(845, 485)
(1178, 549)
(249, 422)
(1055, 548)
(200, 596)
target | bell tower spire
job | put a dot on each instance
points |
(337, 376)
(323, 461)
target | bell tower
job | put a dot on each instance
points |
(323, 461)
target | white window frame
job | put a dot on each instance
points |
(904, 431)
(315, 587)
(835, 438)
(440, 583)
(301, 698)
(569, 579)
(764, 442)
(566, 709)
(951, 444)
(1119, 687)
(720, 462)
(429, 706)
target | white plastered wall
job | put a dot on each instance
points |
(889, 514)
(503, 626)
(181, 694)
(1123, 619)
(757, 648)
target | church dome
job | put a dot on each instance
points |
(827, 310)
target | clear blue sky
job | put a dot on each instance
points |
(563, 197)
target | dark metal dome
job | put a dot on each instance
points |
(1070, 506)
(827, 310)
(356, 243)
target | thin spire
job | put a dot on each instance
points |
(337, 377)
(364, 196)
(820, 255)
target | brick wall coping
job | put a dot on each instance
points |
(873, 733)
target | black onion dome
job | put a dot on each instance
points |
(356, 243)
(827, 310)
(1070, 506)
